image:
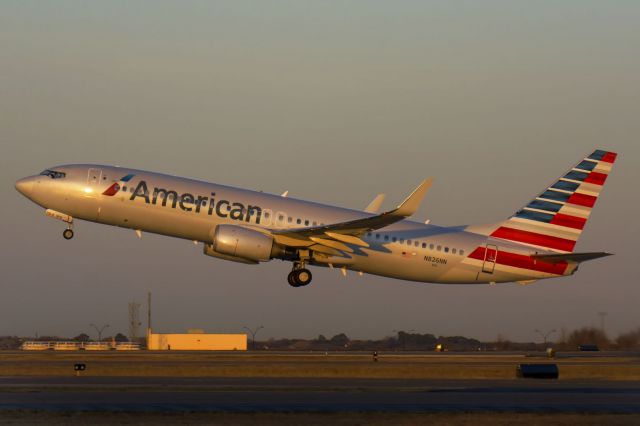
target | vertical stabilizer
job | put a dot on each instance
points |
(554, 220)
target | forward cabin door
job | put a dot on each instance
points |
(91, 192)
(94, 178)
(490, 257)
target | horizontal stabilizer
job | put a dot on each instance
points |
(570, 257)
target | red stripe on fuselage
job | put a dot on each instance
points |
(522, 261)
(568, 221)
(533, 238)
(596, 178)
(582, 199)
(112, 190)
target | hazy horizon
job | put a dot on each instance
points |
(334, 102)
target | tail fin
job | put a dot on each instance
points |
(554, 219)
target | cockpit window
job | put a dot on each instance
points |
(53, 174)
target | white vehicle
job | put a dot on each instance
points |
(66, 346)
(97, 346)
(35, 346)
(235, 224)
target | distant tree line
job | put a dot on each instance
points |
(405, 341)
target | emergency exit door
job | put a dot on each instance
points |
(490, 257)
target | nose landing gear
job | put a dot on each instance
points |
(67, 234)
(299, 276)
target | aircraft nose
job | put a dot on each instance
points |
(25, 186)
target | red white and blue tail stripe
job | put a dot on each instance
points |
(555, 219)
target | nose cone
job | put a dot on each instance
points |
(25, 186)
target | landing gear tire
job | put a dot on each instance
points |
(291, 279)
(303, 277)
(299, 277)
(67, 234)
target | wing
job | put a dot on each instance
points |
(338, 235)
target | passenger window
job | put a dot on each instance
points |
(377, 236)
(299, 221)
(439, 248)
(424, 245)
(454, 251)
(431, 246)
(386, 238)
(416, 244)
(446, 249)
(315, 223)
(290, 219)
(394, 239)
(306, 222)
(266, 214)
(408, 242)
(461, 252)
(401, 240)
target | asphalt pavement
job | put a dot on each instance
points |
(242, 394)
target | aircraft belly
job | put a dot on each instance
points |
(158, 220)
(410, 267)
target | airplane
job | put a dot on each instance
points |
(251, 227)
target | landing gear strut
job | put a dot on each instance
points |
(299, 276)
(67, 234)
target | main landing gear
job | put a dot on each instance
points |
(67, 234)
(299, 276)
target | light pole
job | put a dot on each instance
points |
(99, 330)
(546, 335)
(602, 315)
(253, 335)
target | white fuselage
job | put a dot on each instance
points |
(191, 209)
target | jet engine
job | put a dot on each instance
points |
(242, 244)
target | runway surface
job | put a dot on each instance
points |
(242, 394)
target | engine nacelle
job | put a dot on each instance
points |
(239, 242)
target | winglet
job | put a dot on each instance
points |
(374, 205)
(412, 202)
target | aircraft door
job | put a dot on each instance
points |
(93, 177)
(90, 193)
(490, 257)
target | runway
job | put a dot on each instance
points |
(242, 394)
